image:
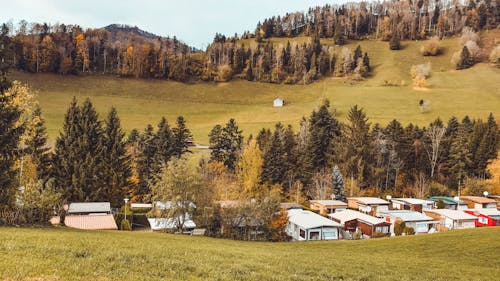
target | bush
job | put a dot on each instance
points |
(399, 227)
(495, 56)
(225, 73)
(431, 48)
(125, 225)
(409, 230)
(395, 43)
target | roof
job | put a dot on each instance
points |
(141, 205)
(166, 205)
(91, 222)
(405, 215)
(453, 214)
(330, 202)
(369, 200)
(486, 212)
(90, 207)
(308, 219)
(447, 200)
(349, 215)
(478, 199)
(168, 223)
(414, 201)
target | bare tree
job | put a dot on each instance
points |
(435, 134)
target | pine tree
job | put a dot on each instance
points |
(225, 143)
(366, 62)
(466, 59)
(163, 141)
(36, 145)
(145, 162)
(274, 167)
(460, 156)
(10, 133)
(338, 184)
(116, 169)
(264, 139)
(181, 135)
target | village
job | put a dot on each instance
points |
(357, 218)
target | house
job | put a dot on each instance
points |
(90, 216)
(325, 207)
(450, 202)
(497, 199)
(412, 204)
(486, 216)
(306, 225)
(452, 219)
(352, 220)
(278, 102)
(416, 220)
(368, 205)
(478, 202)
(159, 223)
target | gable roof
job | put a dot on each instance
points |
(90, 207)
(330, 202)
(478, 199)
(413, 201)
(452, 214)
(406, 215)
(349, 215)
(370, 200)
(91, 222)
(308, 219)
(447, 200)
(490, 212)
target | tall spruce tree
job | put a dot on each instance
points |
(274, 166)
(181, 136)
(36, 146)
(460, 157)
(10, 133)
(116, 169)
(78, 159)
(338, 184)
(225, 143)
(145, 161)
(163, 141)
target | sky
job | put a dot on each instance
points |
(193, 21)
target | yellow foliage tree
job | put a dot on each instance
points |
(249, 170)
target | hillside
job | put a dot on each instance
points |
(63, 254)
(474, 92)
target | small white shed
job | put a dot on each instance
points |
(278, 102)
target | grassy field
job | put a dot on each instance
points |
(62, 254)
(475, 92)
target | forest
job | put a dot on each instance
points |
(130, 52)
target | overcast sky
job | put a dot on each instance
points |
(192, 21)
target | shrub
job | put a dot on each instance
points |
(468, 34)
(125, 225)
(409, 230)
(463, 59)
(225, 73)
(431, 48)
(395, 43)
(399, 227)
(495, 56)
(440, 204)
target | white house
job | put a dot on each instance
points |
(278, 102)
(159, 223)
(452, 219)
(413, 204)
(416, 220)
(306, 225)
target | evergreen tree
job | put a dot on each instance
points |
(145, 162)
(394, 42)
(274, 166)
(36, 146)
(466, 59)
(181, 135)
(264, 139)
(164, 143)
(225, 143)
(460, 157)
(9, 132)
(338, 184)
(366, 62)
(78, 160)
(116, 169)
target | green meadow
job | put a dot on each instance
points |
(474, 92)
(64, 254)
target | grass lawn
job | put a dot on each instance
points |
(474, 92)
(63, 254)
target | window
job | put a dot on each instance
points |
(382, 229)
(483, 220)
(302, 234)
(314, 235)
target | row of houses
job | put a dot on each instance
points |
(362, 217)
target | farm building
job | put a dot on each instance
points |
(352, 220)
(278, 102)
(412, 204)
(485, 217)
(478, 202)
(325, 207)
(416, 220)
(450, 202)
(452, 219)
(91, 216)
(306, 225)
(368, 205)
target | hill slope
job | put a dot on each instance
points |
(60, 254)
(474, 92)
